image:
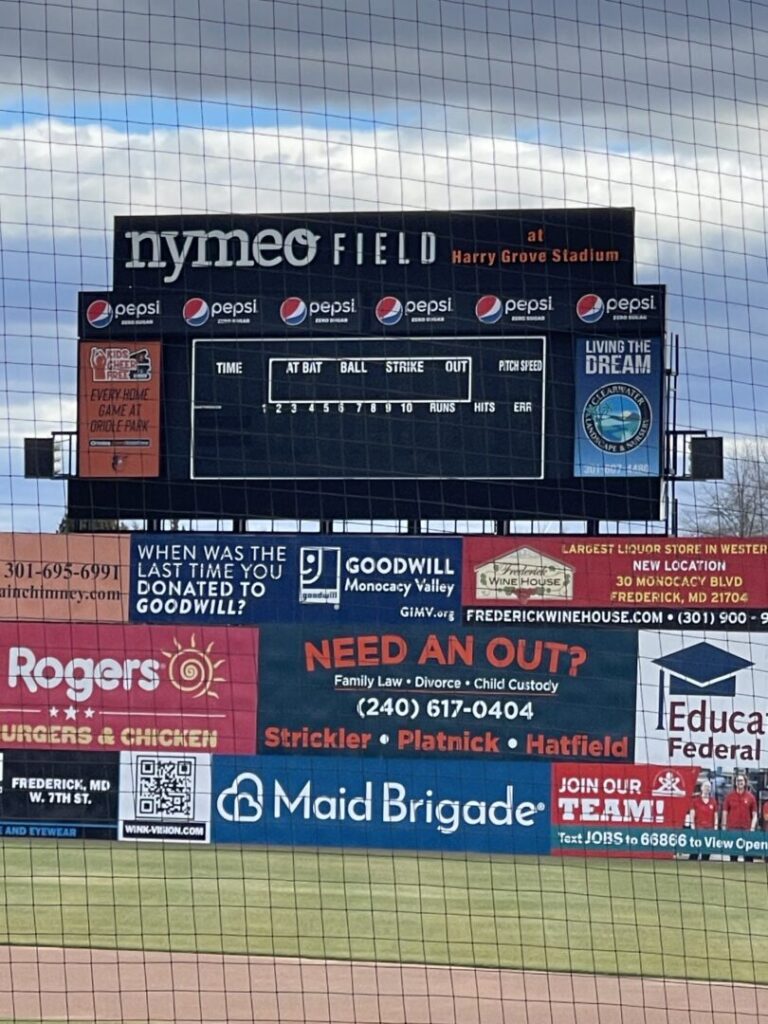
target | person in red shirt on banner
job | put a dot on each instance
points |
(740, 811)
(703, 813)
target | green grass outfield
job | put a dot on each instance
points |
(660, 918)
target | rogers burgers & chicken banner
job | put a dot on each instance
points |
(128, 687)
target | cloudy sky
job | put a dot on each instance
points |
(141, 106)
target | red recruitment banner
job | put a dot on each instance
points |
(601, 797)
(628, 794)
(119, 409)
(109, 687)
(654, 580)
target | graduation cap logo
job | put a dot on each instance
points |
(701, 670)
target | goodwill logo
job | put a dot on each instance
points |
(308, 801)
(374, 572)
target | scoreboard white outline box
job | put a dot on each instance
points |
(497, 338)
(370, 359)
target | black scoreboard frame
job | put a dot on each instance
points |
(148, 300)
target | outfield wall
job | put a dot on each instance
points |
(516, 694)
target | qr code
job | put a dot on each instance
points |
(165, 787)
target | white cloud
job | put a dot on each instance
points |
(72, 179)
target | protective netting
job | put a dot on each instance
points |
(383, 565)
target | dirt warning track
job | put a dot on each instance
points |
(55, 984)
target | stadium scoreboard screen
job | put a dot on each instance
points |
(369, 409)
(494, 364)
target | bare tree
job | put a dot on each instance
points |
(736, 506)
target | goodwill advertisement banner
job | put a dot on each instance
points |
(258, 578)
(703, 699)
(75, 687)
(410, 691)
(70, 795)
(618, 406)
(72, 577)
(413, 805)
(617, 580)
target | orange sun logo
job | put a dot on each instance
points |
(193, 670)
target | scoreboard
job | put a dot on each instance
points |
(428, 364)
(367, 409)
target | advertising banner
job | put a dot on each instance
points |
(591, 800)
(618, 406)
(670, 582)
(662, 842)
(205, 256)
(497, 694)
(416, 805)
(68, 795)
(494, 306)
(257, 578)
(169, 688)
(118, 407)
(702, 699)
(72, 577)
(165, 797)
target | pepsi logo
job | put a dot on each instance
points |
(196, 312)
(590, 308)
(99, 313)
(488, 309)
(293, 311)
(389, 311)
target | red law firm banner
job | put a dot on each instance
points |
(617, 580)
(109, 687)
